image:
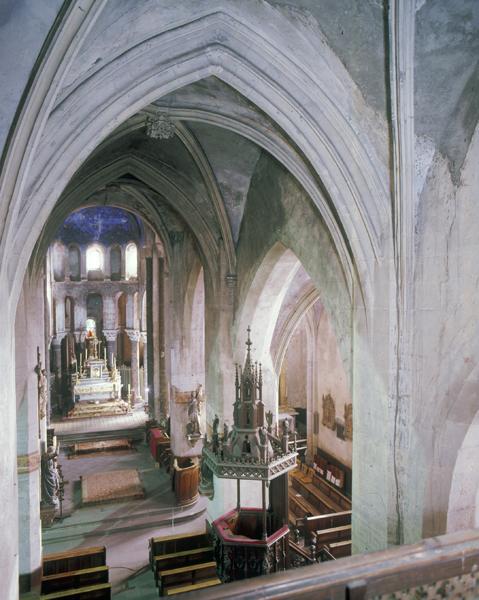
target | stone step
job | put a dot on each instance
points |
(145, 519)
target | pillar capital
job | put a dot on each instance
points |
(143, 337)
(79, 336)
(59, 337)
(110, 334)
(133, 334)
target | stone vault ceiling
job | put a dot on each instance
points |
(210, 118)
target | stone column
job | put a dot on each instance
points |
(134, 336)
(25, 529)
(80, 343)
(106, 262)
(83, 273)
(149, 333)
(164, 384)
(58, 369)
(122, 262)
(110, 336)
(144, 339)
(156, 331)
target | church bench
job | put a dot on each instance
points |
(74, 579)
(299, 506)
(334, 534)
(187, 575)
(342, 501)
(193, 587)
(340, 549)
(181, 559)
(315, 496)
(176, 543)
(101, 591)
(320, 522)
(304, 473)
(74, 560)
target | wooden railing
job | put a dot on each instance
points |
(450, 560)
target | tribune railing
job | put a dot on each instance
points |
(443, 567)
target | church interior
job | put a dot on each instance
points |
(239, 280)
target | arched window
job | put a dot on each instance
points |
(94, 263)
(58, 262)
(131, 262)
(74, 263)
(94, 259)
(115, 263)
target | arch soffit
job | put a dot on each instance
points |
(332, 147)
(294, 318)
(263, 301)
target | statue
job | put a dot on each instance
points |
(263, 436)
(194, 411)
(42, 387)
(269, 420)
(206, 486)
(215, 440)
(50, 479)
(225, 431)
(216, 423)
(246, 445)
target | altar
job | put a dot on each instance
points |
(94, 386)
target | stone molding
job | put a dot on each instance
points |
(27, 463)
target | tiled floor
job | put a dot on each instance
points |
(123, 527)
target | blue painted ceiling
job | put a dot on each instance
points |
(103, 224)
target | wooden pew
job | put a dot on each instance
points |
(320, 522)
(314, 496)
(164, 562)
(340, 549)
(74, 579)
(206, 583)
(176, 543)
(187, 575)
(101, 591)
(326, 537)
(299, 507)
(74, 560)
(332, 492)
